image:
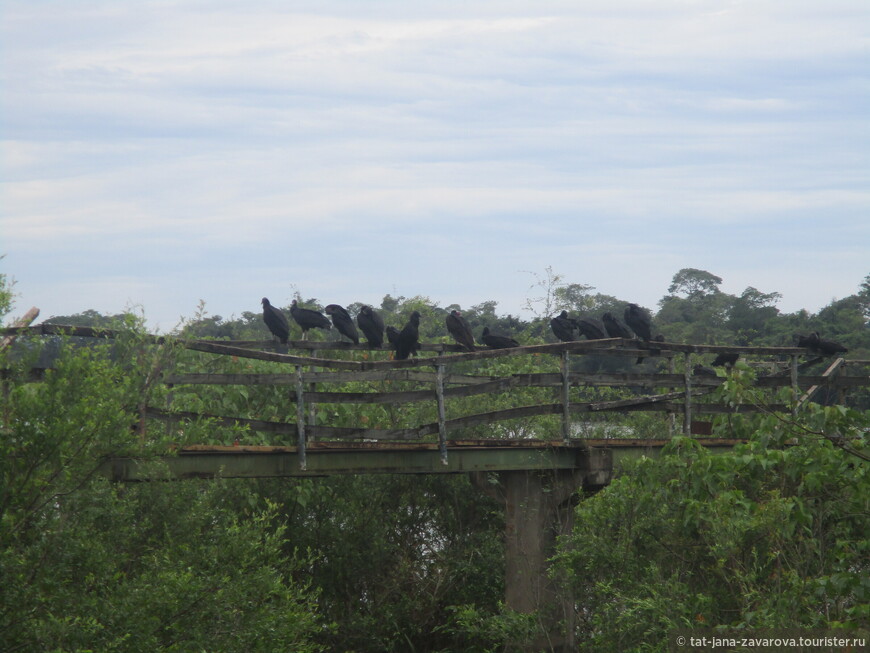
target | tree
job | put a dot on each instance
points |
(547, 303)
(89, 565)
(864, 297)
(693, 283)
(768, 536)
(750, 313)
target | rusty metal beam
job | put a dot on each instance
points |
(595, 459)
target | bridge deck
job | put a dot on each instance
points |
(597, 459)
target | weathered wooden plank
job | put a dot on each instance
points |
(418, 376)
(687, 394)
(442, 426)
(230, 379)
(300, 417)
(565, 372)
(255, 424)
(239, 352)
(493, 386)
(489, 383)
(588, 346)
(21, 323)
(608, 345)
(399, 397)
(832, 370)
(619, 404)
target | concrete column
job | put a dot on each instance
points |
(538, 508)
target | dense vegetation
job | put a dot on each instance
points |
(766, 536)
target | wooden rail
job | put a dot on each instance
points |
(670, 392)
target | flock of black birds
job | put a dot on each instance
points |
(635, 323)
(405, 342)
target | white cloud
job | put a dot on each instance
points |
(204, 138)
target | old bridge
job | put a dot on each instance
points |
(532, 449)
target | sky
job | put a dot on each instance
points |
(155, 154)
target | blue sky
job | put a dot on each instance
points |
(159, 153)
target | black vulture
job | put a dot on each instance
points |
(276, 321)
(614, 327)
(407, 342)
(308, 319)
(563, 327)
(393, 335)
(726, 360)
(343, 322)
(459, 329)
(591, 328)
(494, 341)
(700, 370)
(372, 326)
(638, 320)
(826, 347)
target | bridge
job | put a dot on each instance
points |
(532, 458)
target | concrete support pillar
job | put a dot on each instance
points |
(538, 508)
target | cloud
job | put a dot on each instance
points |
(219, 147)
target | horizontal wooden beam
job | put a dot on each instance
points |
(622, 346)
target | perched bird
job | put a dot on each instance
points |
(563, 327)
(494, 341)
(372, 326)
(393, 336)
(590, 327)
(343, 322)
(700, 370)
(407, 342)
(726, 360)
(614, 327)
(308, 319)
(276, 321)
(826, 347)
(638, 321)
(459, 329)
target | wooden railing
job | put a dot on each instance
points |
(671, 392)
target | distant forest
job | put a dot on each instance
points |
(695, 310)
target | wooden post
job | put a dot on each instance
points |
(828, 375)
(687, 376)
(442, 413)
(566, 409)
(312, 409)
(795, 389)
(300, 418)
(23, 321)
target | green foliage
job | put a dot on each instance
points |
(394, 554)
(6, 294)
(694, 283)
(88, 565)
(475, 631)
(770, 535)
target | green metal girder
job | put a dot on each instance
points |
(330, 462)
(595, 463)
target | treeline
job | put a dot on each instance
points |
(694, 310)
